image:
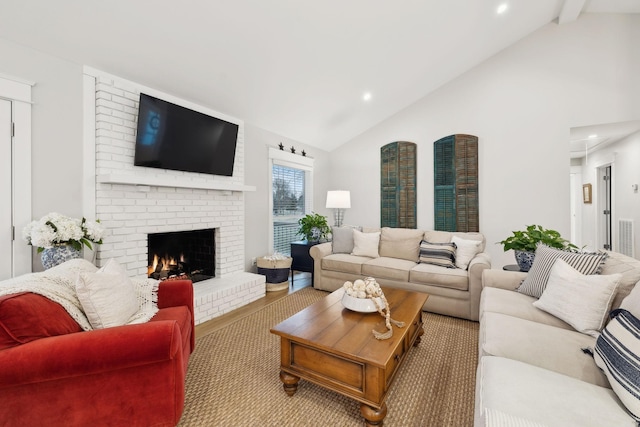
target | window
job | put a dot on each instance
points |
(291, 197)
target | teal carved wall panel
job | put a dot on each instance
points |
(398, 185)
(455, 168)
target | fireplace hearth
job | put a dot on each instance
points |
(182, 255)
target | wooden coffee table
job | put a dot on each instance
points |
(333, 347)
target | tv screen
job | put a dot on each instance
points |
(173, 137)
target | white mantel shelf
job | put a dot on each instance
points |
(170, 181)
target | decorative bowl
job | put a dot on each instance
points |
(362, 305)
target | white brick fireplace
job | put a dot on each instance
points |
(132, 202)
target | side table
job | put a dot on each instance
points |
(302, 261)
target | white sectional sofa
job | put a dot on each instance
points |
(396, 263)
(532, 368)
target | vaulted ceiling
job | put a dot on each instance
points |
(300, 69)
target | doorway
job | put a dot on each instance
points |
(6, 191)
(15, 171)
(605, 207)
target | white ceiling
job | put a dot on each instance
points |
(295, 68)
(587, 139)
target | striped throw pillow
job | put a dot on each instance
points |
(441, 254)
(536, 281)
(617, 353)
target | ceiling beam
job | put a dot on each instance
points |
(570, 10)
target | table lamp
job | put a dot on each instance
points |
(338, 200)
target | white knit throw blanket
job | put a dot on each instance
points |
(58, 285)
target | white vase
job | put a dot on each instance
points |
(58, 254)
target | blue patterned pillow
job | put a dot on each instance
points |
(441, 254)
(617, 353)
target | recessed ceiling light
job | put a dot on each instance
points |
(593, 136)
(502, 8)
(366, 96)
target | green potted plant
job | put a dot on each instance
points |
(525, 242)
(313, 227)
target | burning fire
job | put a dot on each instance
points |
(166, 263)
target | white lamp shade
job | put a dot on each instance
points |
(338, 199)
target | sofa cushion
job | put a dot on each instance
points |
(26, 317)
(366, 244)
(556, 349)
(440, 254)
(388, 268)
(344, 263)
(544, 396)
(403, 243)
(582, 301)
(617, 353)
(631, 302)
(465, 250)
(495, 418)
(630, 270)
(107, 296)
(505, 301)
(429, 274)
(438, 236)
(536, 280)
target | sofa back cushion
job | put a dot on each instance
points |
(630, 270)
(401, 243)
(26, 317)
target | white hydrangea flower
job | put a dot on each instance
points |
(54, 228)
(94, 231)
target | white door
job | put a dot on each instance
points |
(6, 197)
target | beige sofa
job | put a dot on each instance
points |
(453, 291)
(532, 370)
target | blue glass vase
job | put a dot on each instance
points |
(58, 254)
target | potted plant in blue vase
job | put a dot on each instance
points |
(313, 227)
(525, 242)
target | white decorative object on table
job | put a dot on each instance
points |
(366, 296)
(60, 238)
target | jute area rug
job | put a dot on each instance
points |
(233, 377)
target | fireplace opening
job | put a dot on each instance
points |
(182, 255)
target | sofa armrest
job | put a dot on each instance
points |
(320, 251)
(509, 280)
(124, 375)
(175, 293)
(477, 265)
(90, 352)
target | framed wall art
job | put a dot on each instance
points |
(586, 193)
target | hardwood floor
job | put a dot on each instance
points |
(301, 280)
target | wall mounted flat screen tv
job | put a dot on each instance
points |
(173, 137)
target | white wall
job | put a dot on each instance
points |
(521, 104)
(56, 130)
(257, 143)
(624, 156)
(56, 127)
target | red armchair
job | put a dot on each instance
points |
(131, 375)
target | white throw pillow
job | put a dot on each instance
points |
(366, 244)
(582, 301)
(465, 251)
(107, 296)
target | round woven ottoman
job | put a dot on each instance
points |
(276, 272)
